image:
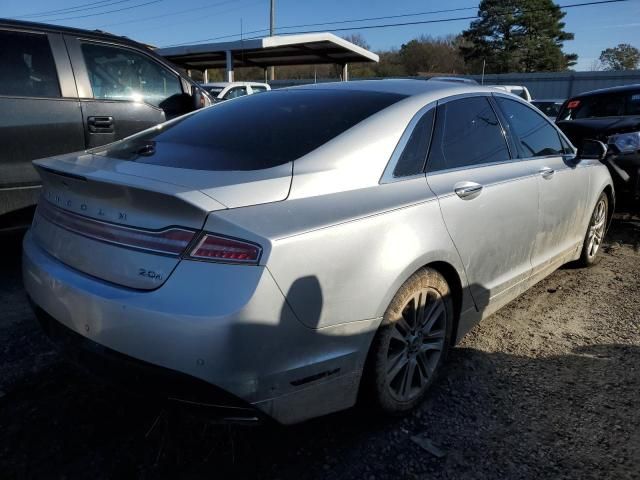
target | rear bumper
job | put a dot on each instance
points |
(228, 326)
(145, 379)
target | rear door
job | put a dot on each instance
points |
(489, 200)
(563, 183)
(39, 111)
(123, 90)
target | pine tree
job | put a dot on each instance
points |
(517, 36)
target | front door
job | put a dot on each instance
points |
(488, 200)
(563, 184)
(122, 90)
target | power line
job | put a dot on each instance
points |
(137, 20)
(239, 6)
(105, 12)
(423, 22)
(444, 20)
(78, 8)
(336, 22)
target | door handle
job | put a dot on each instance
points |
(546, 172)
(467, 190)
(100, 124)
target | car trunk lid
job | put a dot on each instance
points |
(130, 223)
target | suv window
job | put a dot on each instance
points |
(258, 88)
(122, 74)
(602, 105)
(414, 155)
(467, 133)
(235, 92)
(283, 126)
(27, 68)
(535, 136)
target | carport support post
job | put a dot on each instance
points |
(229, 56)
(345, 72)
(205, 76)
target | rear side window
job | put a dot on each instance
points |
(258, 88)
(535, 136)
(467, 133)
(258, 131)
(122, 74)
(414, 155)
(27, 68)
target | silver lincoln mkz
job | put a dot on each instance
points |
(278, 254)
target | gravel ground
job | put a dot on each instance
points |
(549, 387)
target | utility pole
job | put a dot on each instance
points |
(272, 26)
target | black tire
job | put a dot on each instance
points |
(594, 235)
(397, 388)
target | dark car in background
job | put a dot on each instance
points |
(64, 89)
(550, 107)
(611, 115)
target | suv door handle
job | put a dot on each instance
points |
(100, 124)
(467, 190)
(546, 172)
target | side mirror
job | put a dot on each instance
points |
(592, 150)
(200, 97)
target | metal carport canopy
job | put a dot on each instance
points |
(302, 49)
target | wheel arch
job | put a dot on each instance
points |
(454, 281)
(611, 197)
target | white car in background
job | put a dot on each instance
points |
(519, 90)
(228, 90)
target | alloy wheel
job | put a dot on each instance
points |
(596, 228)
(416, 344)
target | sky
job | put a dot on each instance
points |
(169, 22)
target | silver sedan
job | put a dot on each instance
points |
(278, 255)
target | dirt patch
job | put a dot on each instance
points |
(549, 387)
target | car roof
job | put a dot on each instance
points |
(408, 87)
(621, 89)
(231, 84)
(454, 79)
(45, 27)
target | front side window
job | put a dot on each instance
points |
(535, 136)
(467, 133)
(283, 126)
(414, 155)
(122, 74)
(27, 68)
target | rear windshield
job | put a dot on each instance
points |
(256, 131)
(215, 90)
(603, 105)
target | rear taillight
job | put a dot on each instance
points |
(222, 249)
(171, 241)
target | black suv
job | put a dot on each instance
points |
(64, 89)
(611, 115)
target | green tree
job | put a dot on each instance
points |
(432, 55)
(622, 57)
(517, 36)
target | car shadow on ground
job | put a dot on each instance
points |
(72, 427)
